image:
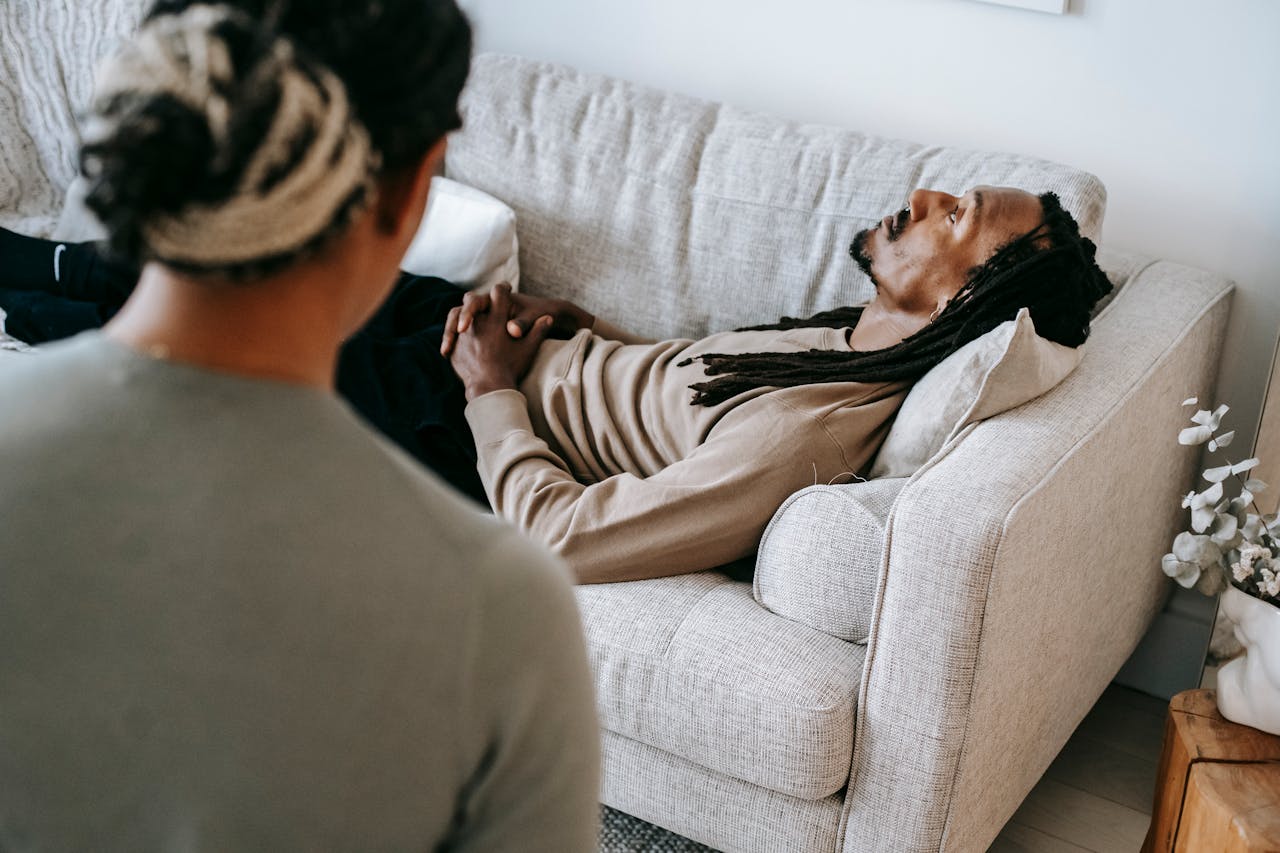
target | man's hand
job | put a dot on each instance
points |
(521, 313)
(486, 357)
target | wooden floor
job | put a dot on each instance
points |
(1097, 793)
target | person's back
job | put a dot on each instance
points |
(231, 616)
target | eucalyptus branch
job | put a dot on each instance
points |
(1227, 544)
(1253, 502)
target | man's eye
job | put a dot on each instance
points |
(952, 215)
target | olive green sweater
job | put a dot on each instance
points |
(234, 618)
(600, 456)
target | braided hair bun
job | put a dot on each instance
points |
(215, 145)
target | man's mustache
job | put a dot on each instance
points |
(898, 222)
(858, 248)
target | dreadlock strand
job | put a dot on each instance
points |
(836, 318)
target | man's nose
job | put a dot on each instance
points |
(924, 201)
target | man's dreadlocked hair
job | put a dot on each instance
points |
(1050, 270)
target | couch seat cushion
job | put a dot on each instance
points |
(694, 666)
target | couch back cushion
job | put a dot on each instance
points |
(673, 216)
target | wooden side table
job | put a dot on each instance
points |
(1218, 788)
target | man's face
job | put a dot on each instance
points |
(920, 257)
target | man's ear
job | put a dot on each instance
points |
(402, 194)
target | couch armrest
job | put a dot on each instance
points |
(995, 632)
(819, 558)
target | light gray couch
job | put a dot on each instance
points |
(971, 613)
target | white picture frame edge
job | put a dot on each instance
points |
(1052, 7)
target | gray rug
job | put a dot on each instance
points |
(622, 833)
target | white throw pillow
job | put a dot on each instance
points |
(467, 237)
(76, 224)
(1008, 366)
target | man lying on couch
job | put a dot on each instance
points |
(593, 444)
(596, 448)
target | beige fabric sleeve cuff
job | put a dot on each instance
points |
(495, 415)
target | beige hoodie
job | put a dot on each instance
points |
(600, 456)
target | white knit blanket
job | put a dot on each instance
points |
(10, 344)
(50, 49)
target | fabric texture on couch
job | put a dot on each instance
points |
(693, 666)
(820, 556)
(987, 630)
(683, 217)
(715, 809)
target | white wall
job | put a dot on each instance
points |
(1173, 104)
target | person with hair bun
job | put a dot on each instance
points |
(232, 615)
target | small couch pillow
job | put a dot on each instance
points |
(467, 237)
(76, 224)
(1004, 368)
(819, 558)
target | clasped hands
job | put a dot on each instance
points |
(492, 338)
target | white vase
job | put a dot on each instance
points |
(1249, 686)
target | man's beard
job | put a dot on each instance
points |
(858, 250)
